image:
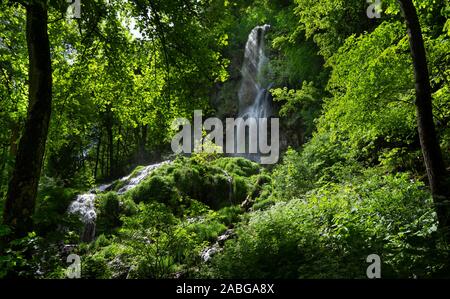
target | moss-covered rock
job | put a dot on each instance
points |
(218, 183)
(155, 188)
(238, 166)
(188, 180)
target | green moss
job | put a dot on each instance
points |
(188, 180)
(216, 190)
(219, 183)
(241, 189)
(117, 185)
(156, 188)
(206, 230)
(229, 215)
(238, 166)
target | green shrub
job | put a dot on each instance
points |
(229, 215)
(188, 180)
(329, 232)
(241, 188)
(110, 208)
(216, 190)
(158, 245)
(196, 209)
(28, 257)
(51, 209)
(206, 229)
(94, 267)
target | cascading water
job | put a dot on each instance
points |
(140, 176)
(254, 95)
(84, 204)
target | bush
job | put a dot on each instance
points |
(188, 180)
(229, 215)
(28, 257)
(217, 183)
(51, 209)
(205, 229)
(329, 232)
(109, 210)
(158, 245)
(95, 267)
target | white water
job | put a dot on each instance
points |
(210, 251)
(84, 204)
(254, 95)
(140, 176)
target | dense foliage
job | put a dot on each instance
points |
(125, 70)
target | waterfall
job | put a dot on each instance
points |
(84, 204)
(254, 95)
(139, 177)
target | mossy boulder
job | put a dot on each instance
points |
(238, 166)
(217, 190)
(188, 180)
(155, 188)
(218, 183)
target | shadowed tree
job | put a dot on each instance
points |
(437, 174)
(22, 189)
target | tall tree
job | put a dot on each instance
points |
(22, 189)
(437, 174)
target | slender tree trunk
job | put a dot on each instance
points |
(110, 151)
(142, 140)
(437, 174)
(22, 189)
(97, 155)
(108, 123)
(103, 165)
(117, 158)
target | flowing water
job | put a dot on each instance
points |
(254, 102)
(84, 204)
(139, 177)
(254, 95)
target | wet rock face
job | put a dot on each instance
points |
(253, 78)
(224, 99)
(212, 250)
(225, 236)
(246, 93)
(84, 204)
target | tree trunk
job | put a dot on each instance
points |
(22, 189)
(110, 150)
(142, 140)
(437, 174)
(117, 158)
(97, 155)
(103, 162)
